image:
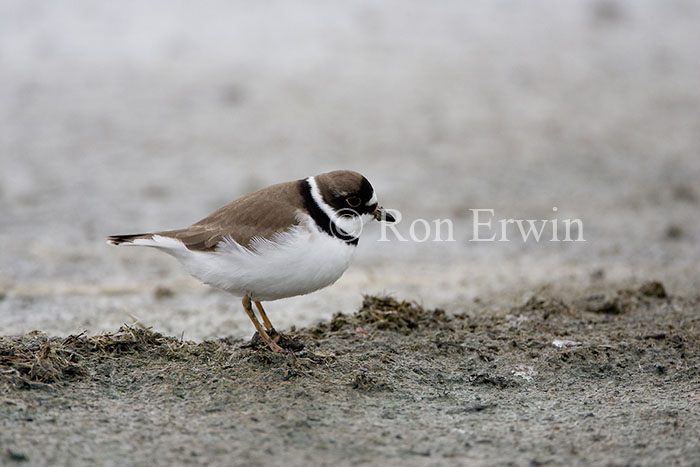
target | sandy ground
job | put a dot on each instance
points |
(608, 378)
(119, 119)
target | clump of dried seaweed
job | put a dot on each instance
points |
(543, 305)
(34, 359)
(126, 340)
(387, 313)
(605, 302)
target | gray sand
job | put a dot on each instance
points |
(560, 380)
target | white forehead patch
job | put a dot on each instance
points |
(373, 200)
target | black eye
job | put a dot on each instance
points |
(353, 201)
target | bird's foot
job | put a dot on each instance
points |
(278, 342)
(274, 346)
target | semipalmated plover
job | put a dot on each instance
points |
(285, 240)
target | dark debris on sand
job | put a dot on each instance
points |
(386, 313)
(380, 327)
(37, 358)
(382, 377)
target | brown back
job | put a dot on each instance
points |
(260, 214)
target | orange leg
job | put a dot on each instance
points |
(266, 320)
(258, 327)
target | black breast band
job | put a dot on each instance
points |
(323, 222)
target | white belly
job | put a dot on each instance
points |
(296, 262)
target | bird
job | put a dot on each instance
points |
(284, 240)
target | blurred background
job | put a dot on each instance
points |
(122, 117)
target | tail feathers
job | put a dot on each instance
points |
(127, 239)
